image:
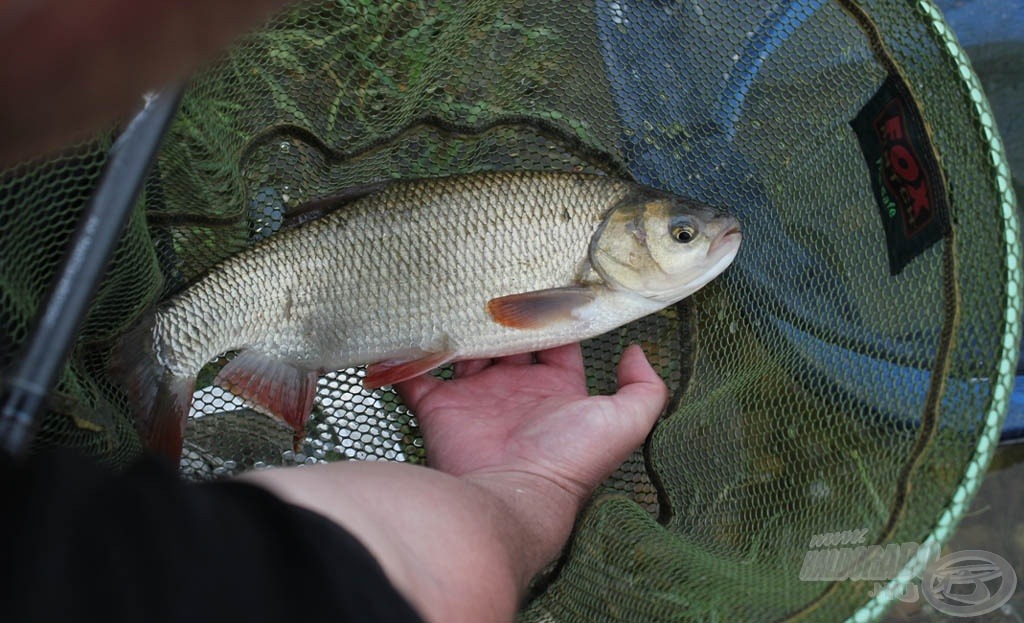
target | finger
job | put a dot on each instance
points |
(642, 393)
(521, 359)
(568, 357)
(634, 368)
(413, 390)
(470, 367)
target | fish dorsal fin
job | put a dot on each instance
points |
(322, 206)
(272, 386)
(542, 308)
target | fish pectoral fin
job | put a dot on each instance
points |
(397, 370)
(535, 310)
(277, 387)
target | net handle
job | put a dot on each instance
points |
(35, 372)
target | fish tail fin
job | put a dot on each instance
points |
(159, 400)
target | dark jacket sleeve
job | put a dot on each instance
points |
(81, 543)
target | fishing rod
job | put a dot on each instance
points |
(33, 375)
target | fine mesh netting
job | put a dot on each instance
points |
(817, 385)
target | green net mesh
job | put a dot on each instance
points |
(813, 391)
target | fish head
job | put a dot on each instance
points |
(663, 247)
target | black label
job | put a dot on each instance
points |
(905, 175)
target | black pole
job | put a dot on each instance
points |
(46, 349)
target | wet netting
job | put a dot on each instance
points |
(849, 372)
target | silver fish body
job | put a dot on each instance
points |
(419, 274)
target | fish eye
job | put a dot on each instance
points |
(683, 233)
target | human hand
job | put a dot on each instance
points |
(535, 420)
(523, 446)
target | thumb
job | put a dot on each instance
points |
(413, 390)
(642, 393)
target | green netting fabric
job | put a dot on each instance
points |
(814, 390)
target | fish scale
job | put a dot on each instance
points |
(418, 274)
(365, 280)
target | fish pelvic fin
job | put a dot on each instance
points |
(541, 308)
(272, 386)
(397, 370)
(158, 400)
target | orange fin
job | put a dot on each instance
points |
(279, 388)
(159, 401)
(535, 310)
(397, 370)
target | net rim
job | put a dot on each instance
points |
(1009, 350)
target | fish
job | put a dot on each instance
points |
(415, 275)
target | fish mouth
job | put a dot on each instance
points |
(730, 237)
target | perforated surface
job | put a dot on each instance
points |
(350, 422)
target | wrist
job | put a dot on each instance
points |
(536, 516)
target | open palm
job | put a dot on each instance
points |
(531, 414)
